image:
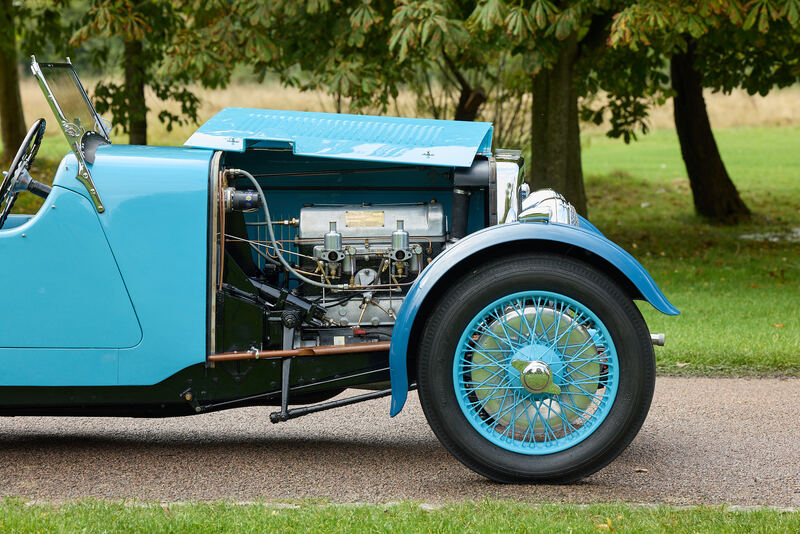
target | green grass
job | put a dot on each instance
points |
(739, 298)
(488, 516)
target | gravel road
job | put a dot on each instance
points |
(706, 441)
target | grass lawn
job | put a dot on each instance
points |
(739, 298)
(488, 516)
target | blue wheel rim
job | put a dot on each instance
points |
(544, 327)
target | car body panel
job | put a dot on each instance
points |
(352, 137)
(156, 222)
(67, 293)
(59, 367)
(585, 237)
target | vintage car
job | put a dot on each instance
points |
(282, 257)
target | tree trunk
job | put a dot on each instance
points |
(470, 99)
(12, 121)
(555, 135)
(715, 196)
(469, 103)
(134, 87)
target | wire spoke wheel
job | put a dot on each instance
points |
(535, 368)
(535, 372)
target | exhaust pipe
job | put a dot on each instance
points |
(658, 339)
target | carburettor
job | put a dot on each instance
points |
(367, 244)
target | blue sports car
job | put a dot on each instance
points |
(282, 257)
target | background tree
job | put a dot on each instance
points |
(431, 37)
(360, 52)
(134, 33)
(462, 72)
(720, 45)
(315, 45)
(12, 121)
(555, 40)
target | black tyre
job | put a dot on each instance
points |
(535, 368)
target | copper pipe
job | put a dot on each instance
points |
(321, 350)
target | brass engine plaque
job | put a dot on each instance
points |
(364, 218)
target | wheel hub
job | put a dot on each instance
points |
(537, 368)
(536, 376)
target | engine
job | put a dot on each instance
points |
(377, 250)
(335, 272)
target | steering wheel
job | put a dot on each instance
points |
(17, 179)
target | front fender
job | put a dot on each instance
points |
(585, 237)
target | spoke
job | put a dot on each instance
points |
(580, 348)
(514, 417)
(588, 381)
(574, 408)
(578, 370)
(528, 403)
(524, 320)
(575, 347)
(488, 388)
(500, 414)
(584, 349)
(483, 329)
(479, 387)
(545, 423)
(567, 333)
(562, 415)
(538, 414)
(487, 356)
(480, 404)
(577, 385)
(476, 347)
(468, 369)
(557, 322)
(543, 336)
(549, 426)
(492, 338)
(546, 332)
(592, 396)
(485, 401)
(519, 334)
(494, 375)
(506, 327)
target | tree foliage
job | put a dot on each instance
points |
(717, 44)
(460, 70)
(331, 46)
(12, 122)
(117, 37)
(461, 59)
(559, 42)
(359, 51)
(752, 45)
(145, 28)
